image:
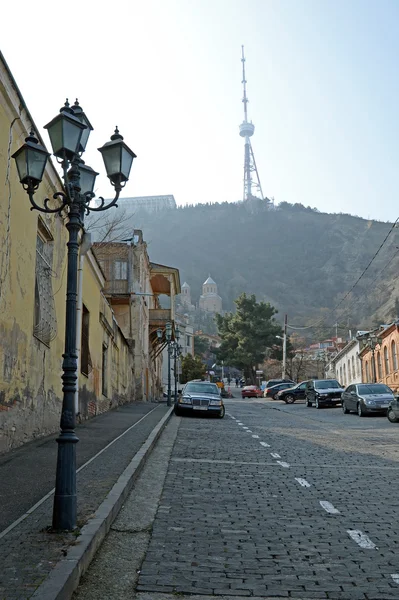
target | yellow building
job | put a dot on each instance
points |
(32, 301)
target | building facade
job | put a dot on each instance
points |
(346, 365)
(148, 203)
(32, 301)
(134, 286)
(381, 364)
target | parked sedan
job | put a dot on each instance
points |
(200, 396)
(291, 394)
(271, 392)
(251, 391)
(367, 398)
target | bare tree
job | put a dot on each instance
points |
(110, 226)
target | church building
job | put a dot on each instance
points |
(209, 299)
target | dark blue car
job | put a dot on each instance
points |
(293, 393)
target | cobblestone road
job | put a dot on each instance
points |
(278, 501)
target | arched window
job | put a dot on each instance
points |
(366, 369)
(349, 372)
(353, 368)
(340, 375)
(394, 356)
(386, 360)
(379, 365)
(345, 375)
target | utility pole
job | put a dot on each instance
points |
(285, 346)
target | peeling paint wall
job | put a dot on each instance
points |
(30, 370)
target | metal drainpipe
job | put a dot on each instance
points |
(85, 246)
(130, 280)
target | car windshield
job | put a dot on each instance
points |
(326, 384)
(202, 388)
(367, 390)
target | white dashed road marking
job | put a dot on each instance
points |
(248, 431)
(238, 423)
(245, 427)
(302, 482)
(264, 444)
(328, 507)
(283, 464)
(275, 455)
(361, 538)
(395, 577)
(255, 436)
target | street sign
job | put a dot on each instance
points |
(259, 372)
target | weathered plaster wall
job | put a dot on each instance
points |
(30, 370)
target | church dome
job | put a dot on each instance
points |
(209, 281)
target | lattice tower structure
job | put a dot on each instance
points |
(252, 185)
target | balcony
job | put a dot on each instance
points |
(116, 286)
(159, 316)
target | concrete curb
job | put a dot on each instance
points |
(64, 579)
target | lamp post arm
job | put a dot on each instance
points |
(46, 209)
(102, 205)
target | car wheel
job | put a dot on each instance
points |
(222, 413)
(289, 399)
(317, 405)
(177, 412)
(275, 397)
(391, 416)
(344, 409)
(360, 410)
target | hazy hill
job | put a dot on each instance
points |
(300, 260)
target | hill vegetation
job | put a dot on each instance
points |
(300, 260)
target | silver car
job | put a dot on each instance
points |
(366, 398)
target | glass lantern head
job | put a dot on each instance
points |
(81, 115)
(65, 132)
(118, 159)
(31, 160)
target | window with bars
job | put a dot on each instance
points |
(85, 360)
(44, 320)
(120, 269)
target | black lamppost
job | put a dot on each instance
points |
(69, 132)
(176, 352)
(168, 334)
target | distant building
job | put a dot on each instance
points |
(185, 297)
(148, 203)
(209, 300)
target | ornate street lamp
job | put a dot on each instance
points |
(168, 335)
(69, 132)
(176, 352)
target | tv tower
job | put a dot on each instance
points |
(251, 176)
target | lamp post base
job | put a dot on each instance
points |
(65, 504)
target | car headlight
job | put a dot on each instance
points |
(185, 400)
(368, 402)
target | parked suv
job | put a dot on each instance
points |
(323, 392)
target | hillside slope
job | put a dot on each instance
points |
(300, 260)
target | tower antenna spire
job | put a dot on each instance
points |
(244, 83)
(247, 129)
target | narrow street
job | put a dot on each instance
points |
(273, 501)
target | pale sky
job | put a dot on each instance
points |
(322, 85)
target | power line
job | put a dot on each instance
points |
(353, 286)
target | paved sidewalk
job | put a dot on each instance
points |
(28, 553)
